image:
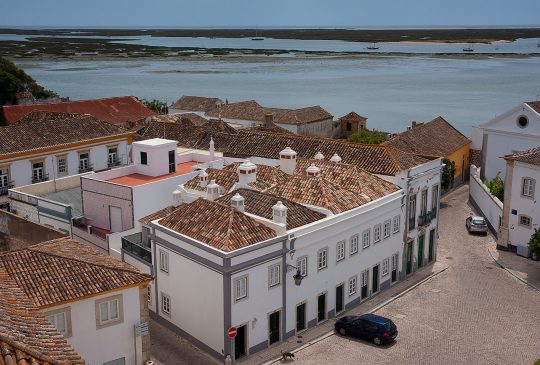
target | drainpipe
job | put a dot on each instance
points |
(290, 239)
(406, 230)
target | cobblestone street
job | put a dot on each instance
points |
(475, 312)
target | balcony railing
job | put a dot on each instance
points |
(88, 168)
(43, 178)
(424, 219)
(134, 245)
(4, 189)
(412, 223)
(118, 161)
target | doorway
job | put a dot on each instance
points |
(375, 279)
(364, 282)
(274, 320)
(172, 162)
(321, 307)
(240, 342)
(409, 258)
(421, 251)
(339, 298)
(115, 215)
(431, 247)
(300, 317)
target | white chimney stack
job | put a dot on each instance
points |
(279, 213)
(319, 156)
(238, 202)
(203, 179)
(313, 170)
(247, 173)
(335, 158)
(212, 190)
(287, 161)
(212, 150)
(177, 195)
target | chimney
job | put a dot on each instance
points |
(319, 156)
(177, 195)
(268, 120)
(336, 158)
(203, 179)
(212, 190)
(279, 213)
(313, 170)
(287, 161)
(237, 202)
(212, 150)
(247, 173)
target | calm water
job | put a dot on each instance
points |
(390, 91)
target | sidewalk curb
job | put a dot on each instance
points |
(373, 310)
(511, 273)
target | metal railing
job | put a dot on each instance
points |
(88, 168)
(4, 189)
(424, 219)
(412, 223)
(118, 161)
(135, 245)
(43, 178)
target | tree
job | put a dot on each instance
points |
(496, 187)
(534, 243)
(448, 172)
(367, 136)
(157, 105)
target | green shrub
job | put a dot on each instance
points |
(534, 248)
(367, 136)
(496, 187)
(448, 172)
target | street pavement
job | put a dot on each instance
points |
(476, 305)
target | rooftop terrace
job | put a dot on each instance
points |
(139, 179)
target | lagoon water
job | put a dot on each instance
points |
(390, 91)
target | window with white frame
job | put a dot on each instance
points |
(354, 245)
(352, 285)
(301, 264)
(240, 288)
(60, 321)
(164, 261)
(386, 229)
(340, 251)
(366, 238)
(62, 165)
(109, 311)
(385, 266)
(165, 303)
(377, 233)
(528, 187)
(274, 275)
(525, 221)
(395, 224)
(322, 259)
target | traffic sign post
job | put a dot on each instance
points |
(231, 332)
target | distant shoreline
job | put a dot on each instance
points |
(471, 35)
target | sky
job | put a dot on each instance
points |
(269, 13)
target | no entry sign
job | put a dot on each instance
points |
(231, 332)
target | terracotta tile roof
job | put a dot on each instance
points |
(62, 270)
(116, 110)
(318, 191)
(26, 336)
(535, 105)
(531, 156)
(162, 213)
(350, 177)
(224, 178)
(436, 138)
(376, 159)
(44, 130)
(267, 176)
(196, 103)
(251, 110)
(218, 225)
(259, 203)
(476, 157)
(352, 116)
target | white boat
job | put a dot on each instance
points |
(257, 36)
(373, 46)
(468, 49)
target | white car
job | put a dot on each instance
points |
(476, 224)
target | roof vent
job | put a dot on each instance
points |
(279, 213)
(319, 156)
(177, 195)
(238, 202)
(247, 173)
(313, 170)
(287, 161)
(203, 179)
(335, 158)
(212, 190)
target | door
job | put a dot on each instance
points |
(375, 279)
(113, 156)
(364, 282)
(394, 267)
(421, 251)
(431, 245)
(273, 325)
(321, 307)
(115, 215)
(300, 317)
(240, 342)
(339, 298)
(84, 162)
(172, 165)
(409, 257)
(37, 171)
(3, 181)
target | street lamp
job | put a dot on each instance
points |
(298, 276)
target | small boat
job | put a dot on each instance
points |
(257, 36)
(373, 46)
(468, 49)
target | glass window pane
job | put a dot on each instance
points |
(103, 312)
(113, 307)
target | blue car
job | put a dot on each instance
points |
(367, 326)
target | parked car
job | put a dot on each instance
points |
(367, 326)
(476, 224)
